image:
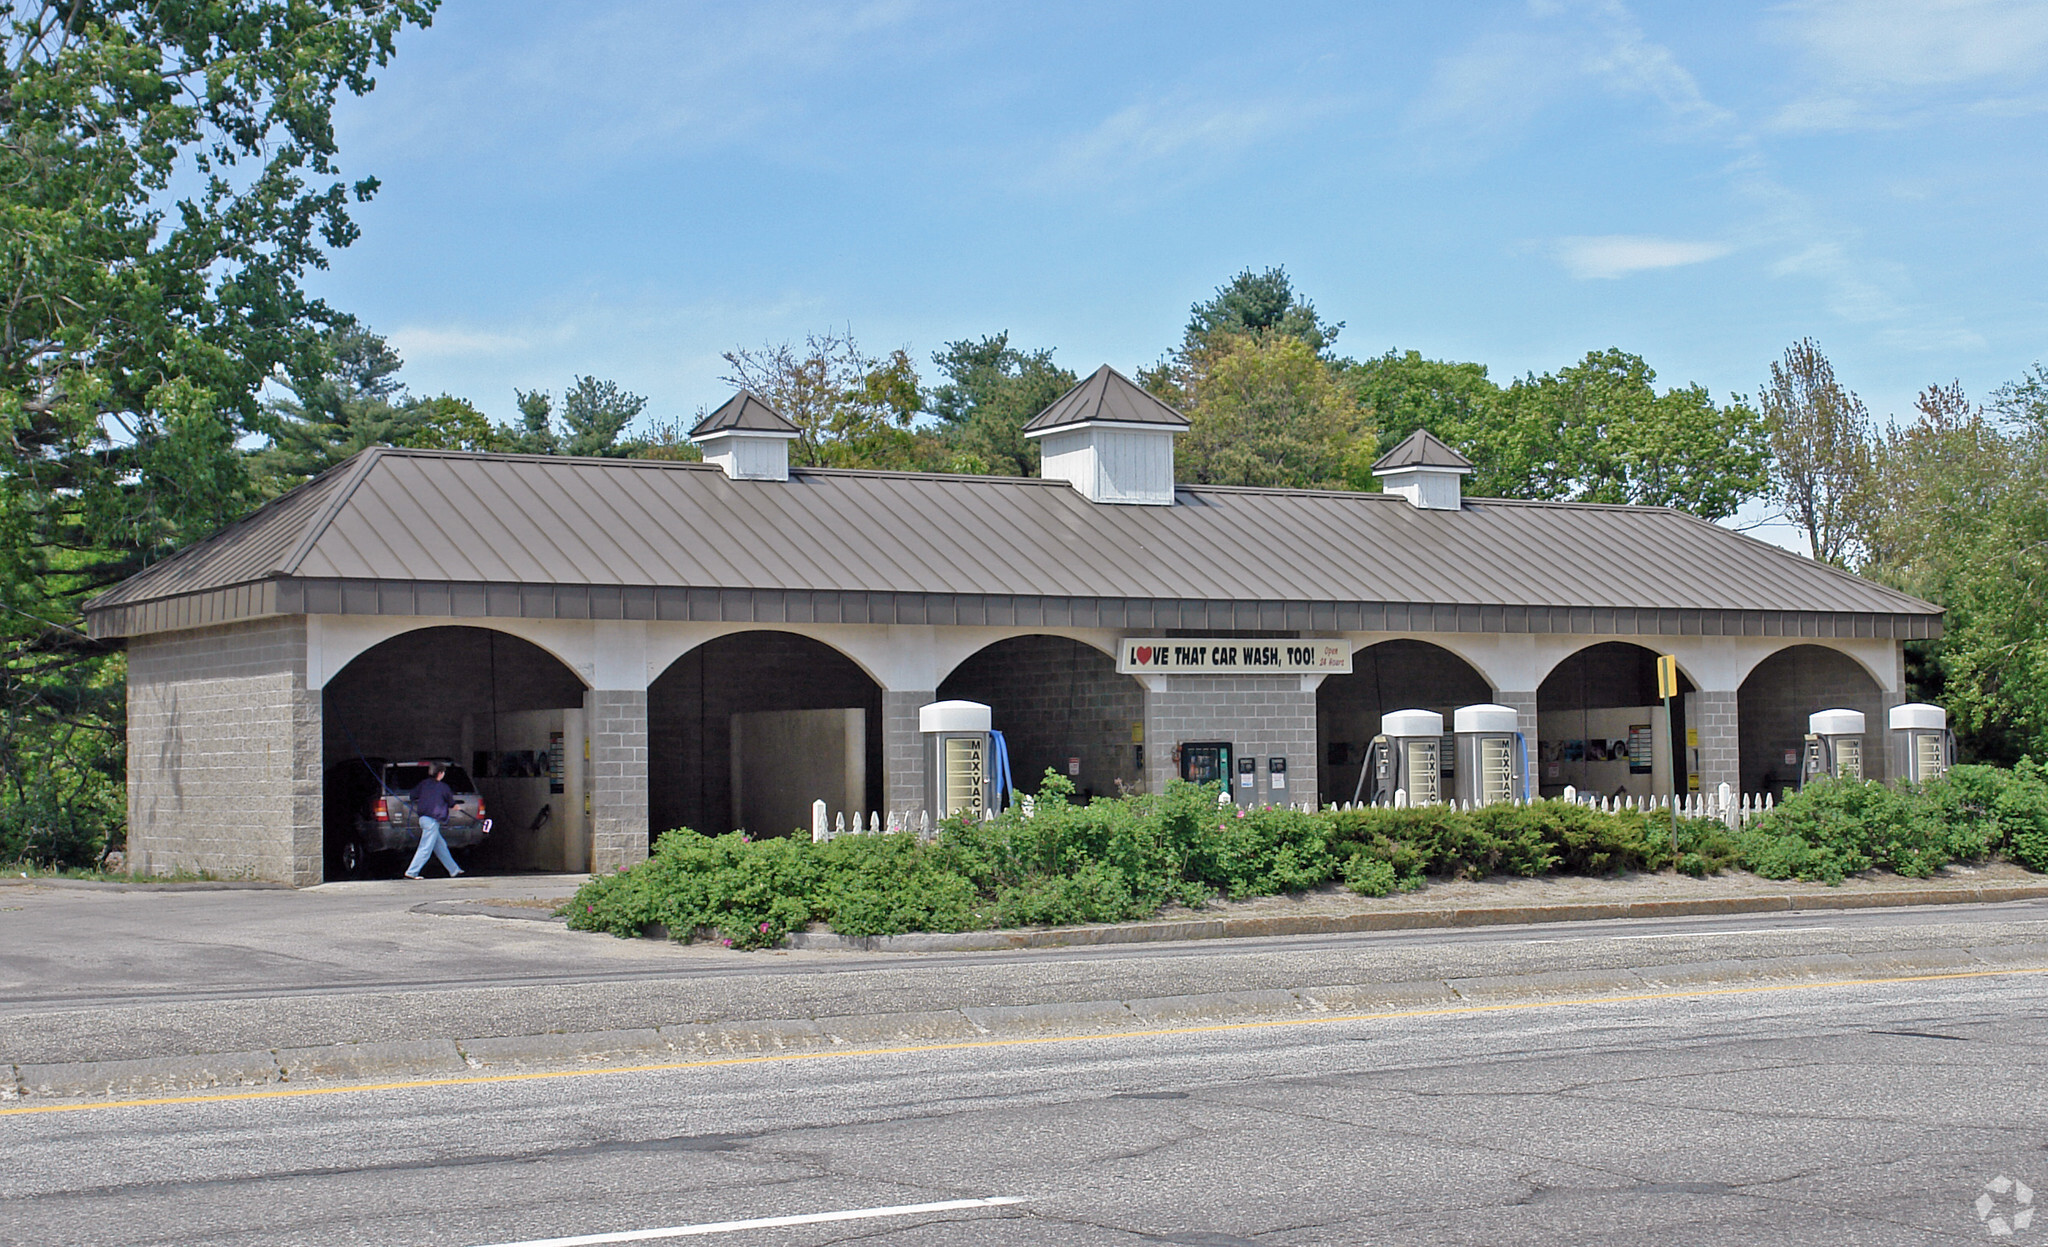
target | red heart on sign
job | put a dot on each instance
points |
(1143, 654)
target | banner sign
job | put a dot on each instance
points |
(1231, 656)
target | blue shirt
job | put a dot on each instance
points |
(432, 798)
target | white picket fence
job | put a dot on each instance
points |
(1731, 808)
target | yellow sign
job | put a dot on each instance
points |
(1667, 675)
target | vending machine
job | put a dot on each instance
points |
(959, 761)
(1922, 746)
(1405, 758)
(1834, 746)
(1492, 763)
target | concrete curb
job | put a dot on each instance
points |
(109, 885)
(1401, 920)
(342, 1064)
(482, 910)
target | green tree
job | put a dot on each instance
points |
(167, 175)
(595, 415)
(1402, 392)
(1957, 511)
(356, 401)
(1263, 411)
(1820, 446)
(535, 432)
(1598, 431)
(852, 409)
(991, 391)
(1261, 306)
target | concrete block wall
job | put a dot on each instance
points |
(224, 753)
(617, 720)
(1053, 699)
(1774, 702)
(1716, 716)
(903, 758)
(1260, 715)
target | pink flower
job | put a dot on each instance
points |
(764, 927)
(727, 943)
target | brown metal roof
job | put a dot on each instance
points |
(1106, 395)
(433, 532)
(745, 411)
(1421, 449)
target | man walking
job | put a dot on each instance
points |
(432, 799)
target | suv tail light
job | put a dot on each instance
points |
(479, 807)
(383, 811)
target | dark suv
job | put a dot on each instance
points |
(369, 812)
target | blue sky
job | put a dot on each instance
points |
(628, 189)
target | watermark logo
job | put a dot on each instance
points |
(2005, 1207)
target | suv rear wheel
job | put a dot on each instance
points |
(353, 859)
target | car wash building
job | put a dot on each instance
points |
(620, 647)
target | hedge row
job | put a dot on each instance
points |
(1123, 858)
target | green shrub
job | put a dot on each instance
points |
(1369, 876)
(1118, 859)
(2021, 809)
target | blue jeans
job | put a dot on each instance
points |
(432, 844)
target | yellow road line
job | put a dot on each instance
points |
(285, 1093)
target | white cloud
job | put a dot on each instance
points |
(1878, 63)
(1609, 256)
(1889, 44)
(424, 342)
(1948, 340)
(1166, 137)
(1493, 89)
(647, 75)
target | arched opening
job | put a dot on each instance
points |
(505, 712)
(1601, 726)
(1392, 675)
(1772, 705)
(1061, 705)
(746, 731)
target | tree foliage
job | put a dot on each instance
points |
(1820, 437)
(1598, 431)
(1263, 411)
(851, 409)
(167, 175)
(991, 391)
(1955, 509)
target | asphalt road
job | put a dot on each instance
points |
(1872, 1113)
(97, 976)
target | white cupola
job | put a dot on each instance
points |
(1109, 439)
(748, 438)
(1425, 472)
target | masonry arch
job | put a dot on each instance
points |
(1060, 704)
(1400, 674)
(1596, 711)
(492, 703)
(747, 729)
(1773, 703)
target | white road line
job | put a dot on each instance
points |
(1723, 935)
(1686, 935)
(761, 1223)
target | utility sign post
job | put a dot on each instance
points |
(1667, 688)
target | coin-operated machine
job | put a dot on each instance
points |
(959, 760)
(1406, 757)
(1834, 746)
(1208, 762)
(1922, 745)
(1492, 762)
